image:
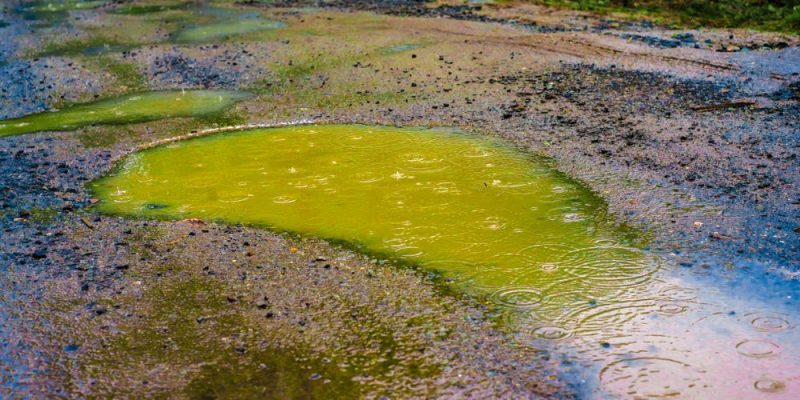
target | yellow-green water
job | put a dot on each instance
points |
(483, 214)
(126, 109)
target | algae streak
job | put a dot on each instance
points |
(64, 5)
(126, 109)
(225, 29)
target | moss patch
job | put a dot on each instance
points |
(782, 15)
(43, 215)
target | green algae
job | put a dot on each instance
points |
(497, 223)
(278, 376)
(126, 109)
(90, 47)
(43, 215)
(127, 75)
(223, 30)
(192, 322)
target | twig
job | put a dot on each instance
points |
(86, 222)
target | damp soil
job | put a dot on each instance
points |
(695, 147)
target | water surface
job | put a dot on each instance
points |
(483, 214)
(496, 224)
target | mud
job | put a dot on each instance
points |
(696, 146)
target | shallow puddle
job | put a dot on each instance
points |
(496, 224)
(143, 9)
(62, 5)
(225, 29)
(126, 109)
(484, 215)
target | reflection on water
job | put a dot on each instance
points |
(499, 225)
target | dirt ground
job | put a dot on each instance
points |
(689, 136)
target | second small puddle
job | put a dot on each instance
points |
(489, 218)
(140, 107)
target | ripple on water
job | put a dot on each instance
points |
(651, 377)
(679, 293)
(591, 317)
(611, 267)
(283, 200)
(368, 177)
(518, 298)
(771, 323)
(672, 309)
(446, 188)
(758, 348)
(515, 183)
(422, 163)
(477, 152)
(573, 217)
(551, 333)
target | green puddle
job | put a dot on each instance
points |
(225, 29)
(126, 109)
(63, 5)
(143, 9)
(486, 216)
